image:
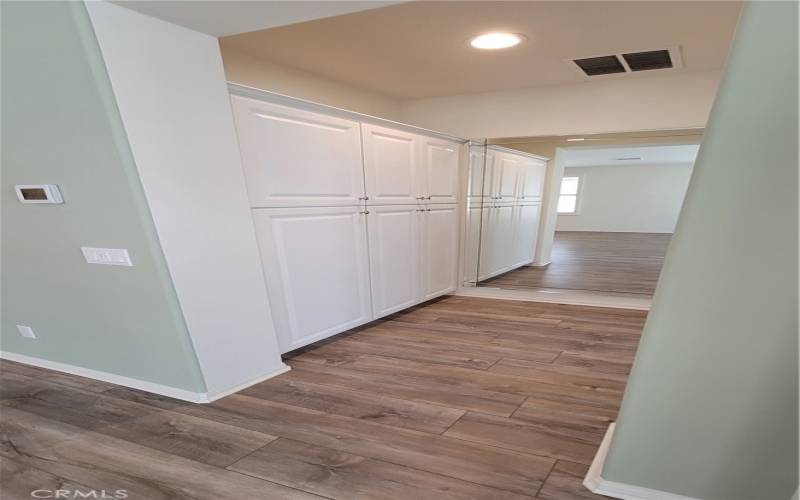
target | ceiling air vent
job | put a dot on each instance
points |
(654, 59)
(603, 65)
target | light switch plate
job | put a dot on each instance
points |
(26, 331)
(107, 256)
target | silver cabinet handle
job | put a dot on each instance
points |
(427, 209)
(420, 197)
(365, 212)
(428, 198)
(364, 198)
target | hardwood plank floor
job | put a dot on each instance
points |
(613, 263)
(461, 398)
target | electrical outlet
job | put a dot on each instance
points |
(108, 256)
(26, 331)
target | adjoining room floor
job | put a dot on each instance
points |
(462, 398)
(614, 263)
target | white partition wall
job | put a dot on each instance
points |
(169, 85)
(374, 222)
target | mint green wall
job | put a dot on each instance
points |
(711, 409)
(60, 125)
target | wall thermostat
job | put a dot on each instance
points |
(38, 193)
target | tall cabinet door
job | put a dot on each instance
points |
(531, 180)
(317, 269)
(498, 253)
(491, 175)
(439, 249)
(391, 159)
(507, 175)
(293, 157)
(476, 168)
(440, 161)
(472, 242)
(526, 223)
(394, 257)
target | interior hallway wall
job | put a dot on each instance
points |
(711, 407)
(247, 70)
(169, 85)
(627, 198)
(616, 105)
(60, 125)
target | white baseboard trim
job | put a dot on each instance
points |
(595, 483)
(221, 394)
(557, 297)
(541, 264)
(142, 385)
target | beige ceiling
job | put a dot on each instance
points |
(418, 49)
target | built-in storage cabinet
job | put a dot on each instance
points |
(294, 157)
(507, 216)
(317, 269)
(355, 220)
(391, 165)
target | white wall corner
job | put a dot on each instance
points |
(595, 483)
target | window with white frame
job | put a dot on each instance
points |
(568, 195)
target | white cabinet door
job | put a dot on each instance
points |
(531, 180)
(526, 226)
(439, 250)
(472, 242)
(391, 159)
(440, 180)
(507, 174)
(497, 255)
(491, 176)
(317, 271)
(298, 158)
(394, 244)
(476, 169)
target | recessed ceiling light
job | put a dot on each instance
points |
(496, 40)
(576, 139)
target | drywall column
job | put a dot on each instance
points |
(711, 407)
(171, 91)
(547, 225)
